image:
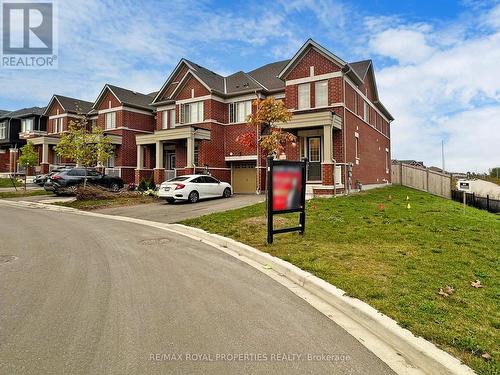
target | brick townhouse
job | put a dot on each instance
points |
(124, 115)
(341, 125)
(15, 127)
(59, 113)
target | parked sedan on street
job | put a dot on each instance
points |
(41, 179)
(68, 181)
(193, 188)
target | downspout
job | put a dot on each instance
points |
(344, 133)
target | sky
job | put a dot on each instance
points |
(437, 63)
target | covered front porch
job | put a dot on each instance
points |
(319, 139)
(168, 153)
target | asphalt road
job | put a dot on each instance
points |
(164, 212)
(85, 295)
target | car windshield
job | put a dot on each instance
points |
(178, 179)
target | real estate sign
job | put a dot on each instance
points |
(286, 193)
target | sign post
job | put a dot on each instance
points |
(464, 186)
(286, 193)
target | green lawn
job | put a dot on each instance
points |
(21, 193)
(396, 259)
(7, 183)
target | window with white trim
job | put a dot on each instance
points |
(110, 162)
(386, 160)
(196, 158)
(27, 125)
(366, 116)
(356, 138)
(3, 130)
(164, 120)
(304, 96)
(321, 93)
(239, 111)
(172, 118)
(57, 125)
(192, 112)
(110, 120)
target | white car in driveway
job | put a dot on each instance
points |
(193, 187)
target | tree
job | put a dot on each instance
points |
(87, 148)
(28, 158)
(495, 172)
(269, 136)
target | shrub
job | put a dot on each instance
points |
(143, 186)
(151, 185)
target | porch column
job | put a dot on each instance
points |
(140, 157)
(159, 171)
(44, 164)
(159, 155)
(190, 151)
(327, 173)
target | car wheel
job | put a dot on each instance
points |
(227, 193)
(170, 200)
(115, 187)
(193, 197)
(72, 189)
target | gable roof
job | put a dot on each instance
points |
(267, 75)
(126, 97)
(24, 112)
(361, 67)
(69, 105)
(3, 112)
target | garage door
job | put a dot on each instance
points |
(244, 177)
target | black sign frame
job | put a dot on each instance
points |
(271, 163)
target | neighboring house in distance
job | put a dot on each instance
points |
(60, 111)
(338, 119)
(123, 114)
(413, 163)
(15, 128)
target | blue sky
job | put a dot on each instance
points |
(436, 62)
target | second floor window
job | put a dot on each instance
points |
(192, 112)
(27, 125)
(3, 130)
(304, 96)
(239, 111)
(172, 118)
(57, 125)
(164, 120)
(321, 94)
(110, 120)
(366, 112)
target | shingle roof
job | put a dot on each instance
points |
(74, 105)
(241, 81)
(24, 112)
(132, 98)
(213, 80)
(267, 75)
(3, 112)
(361, 67)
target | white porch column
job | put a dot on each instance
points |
(159, 155)
(45, 153)
(190, 151)
(140, 157)
(327, 144)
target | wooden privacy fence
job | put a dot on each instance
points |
(422, 179)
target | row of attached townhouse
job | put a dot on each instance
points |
(191, 124)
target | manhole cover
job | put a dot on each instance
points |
(155, 241)
(7, 258)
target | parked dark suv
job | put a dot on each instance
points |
(41, 179)
(68, 181)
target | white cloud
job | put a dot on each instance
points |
(439, 90)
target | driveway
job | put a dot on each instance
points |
(171, 213)
(110, 297)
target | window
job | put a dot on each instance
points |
(239, 111)
(110, 120)
(357, 146)
(172, 118)
(356, 109)
(211, 180)
(192, 112)
(304, 96)
(321, 94)
(366, 112)
(3, 130)
(57, 159)
(164, 120)
(27, 125)
(57, 125)
(196, 156)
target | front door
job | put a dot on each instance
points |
(314, 156)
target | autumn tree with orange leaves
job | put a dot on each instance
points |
(270, 137)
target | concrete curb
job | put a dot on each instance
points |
(379, 333)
